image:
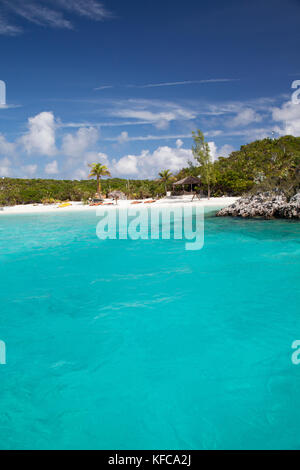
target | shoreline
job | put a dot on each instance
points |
(219, 202)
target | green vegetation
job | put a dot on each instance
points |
(24, 191)
(202, 155)
(98, 170)
(259, 166)
(263, 165)
(166, 177)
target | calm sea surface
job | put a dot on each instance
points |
(124, 344)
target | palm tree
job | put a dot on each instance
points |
(98, 170)
(166, 176)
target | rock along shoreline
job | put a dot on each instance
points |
(265, 205)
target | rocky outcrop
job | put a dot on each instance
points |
(292, 209)
(266, 205)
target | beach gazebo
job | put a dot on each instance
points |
(117, 195)
(188, 180)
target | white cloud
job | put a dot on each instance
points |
(28, 171)
(52, 168)
(158, 113)
(81, 171)
(225, 150)
(103, 87)
(289, 116)
(185, 82)
(9, 170)
(123, 137)
(97, 157)
(179, 143)
(5, 167)
(140, 138)
(7, 29)
(147, 164)
(40, 138)
(39, 14)
(89, 8)
(128, 165)
(213, 150)
(74, 145)
(159, 119)
(216, 152)
(6, 148)
(50, 13)
(244, 118)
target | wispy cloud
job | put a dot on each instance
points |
(7, 29)
(48, 13)
(103, 87)
(39, 14)
(186, 82)
(166, 84)
(141, 138)
(10, 106)
(90, 8)
(159, 113)
(77, 125)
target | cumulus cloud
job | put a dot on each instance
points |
(213, 150)
(129, 165)
(5, 167)
(217, 152)
(225, 150)
(123, 137)
(289, 117)
(244, 118)
(147, 164)
(74, 145)
(40, 138)
(52, 168)
(28, 171)
(6, 148)
(9, 170)
(81, 170)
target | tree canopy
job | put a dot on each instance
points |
(261, 165)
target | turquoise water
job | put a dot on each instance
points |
(124, 344)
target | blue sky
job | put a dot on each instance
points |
(126, 82)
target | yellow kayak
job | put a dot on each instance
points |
(64, 205)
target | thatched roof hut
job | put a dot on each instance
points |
(117, 195)
(188, 180)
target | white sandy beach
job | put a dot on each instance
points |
(78, 206)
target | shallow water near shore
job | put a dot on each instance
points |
(123, 344)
